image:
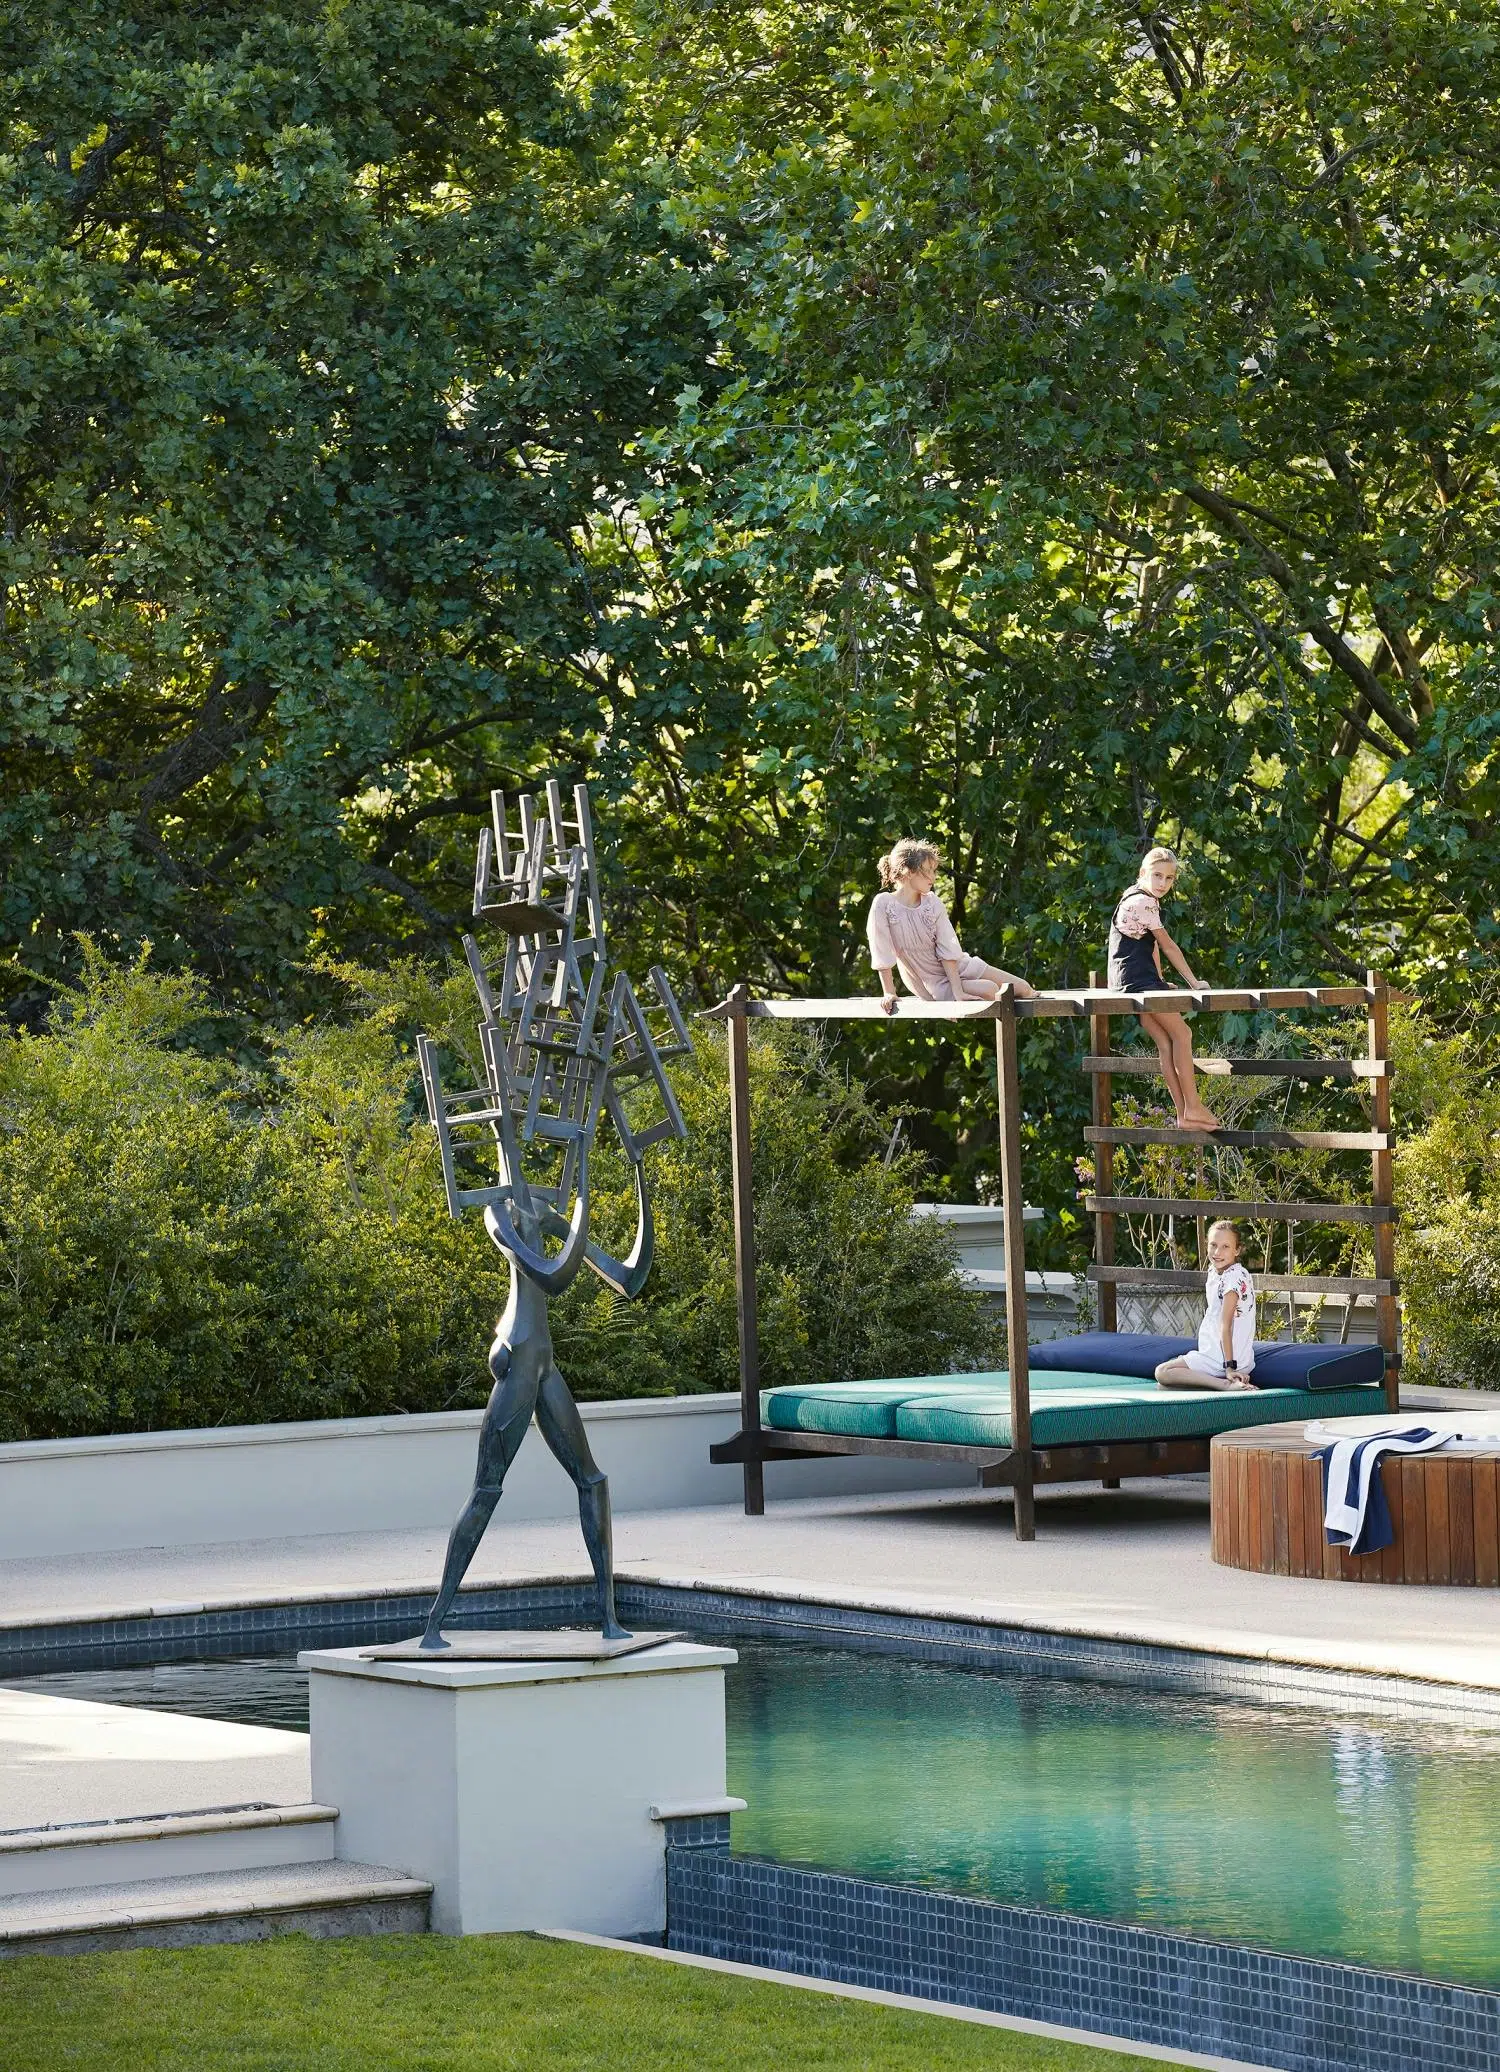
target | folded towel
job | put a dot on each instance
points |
(1355, 1512)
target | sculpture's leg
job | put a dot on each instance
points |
(506, 1422)
(562, 1428)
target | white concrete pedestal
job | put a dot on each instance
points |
(523, 1789)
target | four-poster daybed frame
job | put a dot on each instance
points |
(1020, 1466)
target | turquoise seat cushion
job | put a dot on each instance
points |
(862, 1409)
(1115, 1408)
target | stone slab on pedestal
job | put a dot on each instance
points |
(522, 1790)
(517, 1644)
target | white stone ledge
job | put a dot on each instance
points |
(334, 1430)
(162, 1827)
(697, 1809)
(214, 1896)
(446, 1673)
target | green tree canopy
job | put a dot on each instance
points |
(1054, 428)
(1111, 445)
(326, 335)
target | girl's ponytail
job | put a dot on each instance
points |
(905, 856)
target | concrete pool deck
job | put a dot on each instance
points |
(1130, 1565)
(65, 1762)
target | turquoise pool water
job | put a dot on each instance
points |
(1322, 1834)
(1316, 1833)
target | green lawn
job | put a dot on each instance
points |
(484, 2004)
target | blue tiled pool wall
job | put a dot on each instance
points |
(263, 1629)
(1176, 1991)
(1035, 1652)
(178, 1636)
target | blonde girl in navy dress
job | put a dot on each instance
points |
(1137, 939)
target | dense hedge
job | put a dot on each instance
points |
(1448, 1189)
(850, 1284)
(191, 1242)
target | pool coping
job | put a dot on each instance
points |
(1184, 1637)
(260, 1624)
(253, 1622)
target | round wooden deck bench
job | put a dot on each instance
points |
(1266, 1490)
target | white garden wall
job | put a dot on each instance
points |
(378, 1474)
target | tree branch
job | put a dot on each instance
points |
(1353, 719)
(388, 881)
(1322, 630)
(94, 171)
(395, 831)
(1165, 55)
(1339, 957)
(228, 714)
(1404, 655)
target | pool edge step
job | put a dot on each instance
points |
(46, 1860)
(326, 1898)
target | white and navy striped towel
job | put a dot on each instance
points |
(1355, 1512)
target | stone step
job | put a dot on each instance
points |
(322, 1899)
(163, 1845)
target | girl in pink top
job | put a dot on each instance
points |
(910, 932)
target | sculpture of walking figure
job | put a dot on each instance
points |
(555, 1054)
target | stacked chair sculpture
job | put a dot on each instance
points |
(562, 1042)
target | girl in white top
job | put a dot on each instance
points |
(910, 932)
(1224, 1356)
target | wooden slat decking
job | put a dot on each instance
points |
(1141, 1067)
(1085, 1000)
(1246, 1140)
(1175, 1281)
(1264, 1211)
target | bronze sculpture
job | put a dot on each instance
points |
(556, 1053)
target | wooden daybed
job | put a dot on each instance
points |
(1073, 1425)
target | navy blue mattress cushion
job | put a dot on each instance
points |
(1137, 1353)
(1277, 1364)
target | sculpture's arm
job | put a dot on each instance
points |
(553, 1275)
(626, 1276)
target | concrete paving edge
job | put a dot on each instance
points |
(979, 2016)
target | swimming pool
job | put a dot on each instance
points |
(1315, 1833)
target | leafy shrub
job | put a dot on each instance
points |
(850, 1285)
(186, 1243)
(1448, 1187)
(181, 1249)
